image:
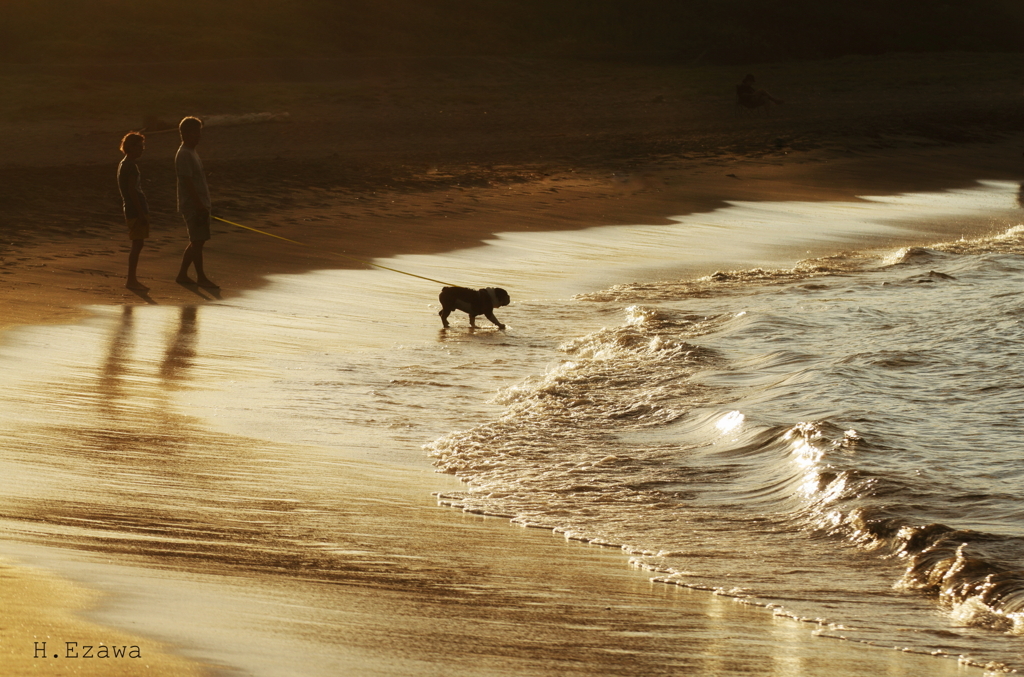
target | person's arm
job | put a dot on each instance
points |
(126, 182)
(142, 215)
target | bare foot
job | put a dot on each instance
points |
(135, 284)
(184, 279)
(207, 283)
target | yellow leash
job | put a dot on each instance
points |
(351, 258)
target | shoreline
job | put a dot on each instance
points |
(49, 282)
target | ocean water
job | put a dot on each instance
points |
(811, 408)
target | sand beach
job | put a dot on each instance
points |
(437, 154)
(385, 157)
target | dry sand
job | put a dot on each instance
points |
(387, 157)
(44, 634)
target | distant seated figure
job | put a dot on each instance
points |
(752, 98)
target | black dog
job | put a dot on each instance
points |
(473, 302)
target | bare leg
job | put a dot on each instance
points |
(186, 262)
(133, 266)
(492, 318)
(193, 256)
(197, 261)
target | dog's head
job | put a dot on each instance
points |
(498, 295)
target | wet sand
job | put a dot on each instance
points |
(427, 188)
(490, 599)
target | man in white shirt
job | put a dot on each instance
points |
(193, 201)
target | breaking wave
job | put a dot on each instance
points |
(765, 433)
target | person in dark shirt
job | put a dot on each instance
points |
(136, 211)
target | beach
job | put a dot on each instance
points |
(439, 154)
(394, 159)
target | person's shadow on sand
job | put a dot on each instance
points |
(114, 367)
(181, 349)
(143, 293)
(205, 293)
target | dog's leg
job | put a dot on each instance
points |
(472, 320)
(490, 316)
(445, 312)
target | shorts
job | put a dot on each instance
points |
(198, 227)
(137, 229)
